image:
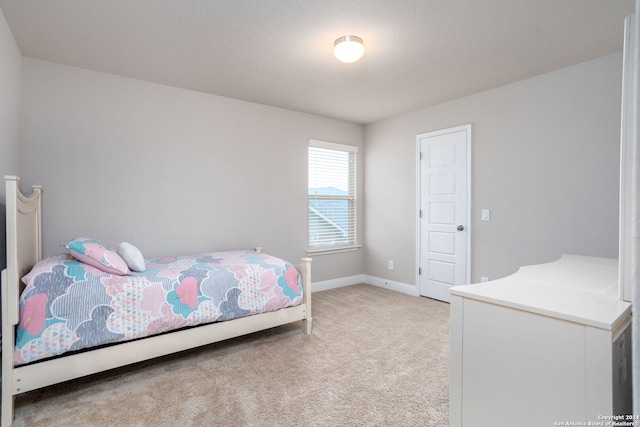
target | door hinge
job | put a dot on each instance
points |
(421, 155)
(420, 213)
(419, 271)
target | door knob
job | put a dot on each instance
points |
(460, 227)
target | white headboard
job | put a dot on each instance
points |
(24, 240)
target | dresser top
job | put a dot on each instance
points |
(574, 288)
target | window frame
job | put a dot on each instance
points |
(351, 197)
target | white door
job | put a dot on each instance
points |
(443, 220)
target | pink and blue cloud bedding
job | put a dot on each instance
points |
(68, 305)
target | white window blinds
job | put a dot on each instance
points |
(332, 196)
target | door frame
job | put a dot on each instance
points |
(420, 136)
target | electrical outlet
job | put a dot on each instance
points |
(390, 264)
(484, 279)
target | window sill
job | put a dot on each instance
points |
(334, 250)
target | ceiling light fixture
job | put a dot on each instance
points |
(348, 49)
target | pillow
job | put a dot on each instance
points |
(132, 256)
(97, 254)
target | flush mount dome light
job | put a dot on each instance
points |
(348, 49)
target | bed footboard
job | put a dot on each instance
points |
(305, 271)
(304, 268)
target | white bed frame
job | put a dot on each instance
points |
(24, 249)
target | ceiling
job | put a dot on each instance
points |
(279, 52)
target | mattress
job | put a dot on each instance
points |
(68, 305)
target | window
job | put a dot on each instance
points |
(332, 197)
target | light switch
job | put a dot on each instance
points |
(486, 215)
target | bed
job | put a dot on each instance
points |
(127, 320)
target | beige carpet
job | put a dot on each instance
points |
(375, 358)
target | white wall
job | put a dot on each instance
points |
(10, 86)
(545, 160)
(177, 171)
(171, 171)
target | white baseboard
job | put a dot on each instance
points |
(363, 278)
(337, 283)
(392, 286)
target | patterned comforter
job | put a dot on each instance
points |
(68, 305)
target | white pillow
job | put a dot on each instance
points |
(132, 256)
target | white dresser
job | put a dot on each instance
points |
(548, 344)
